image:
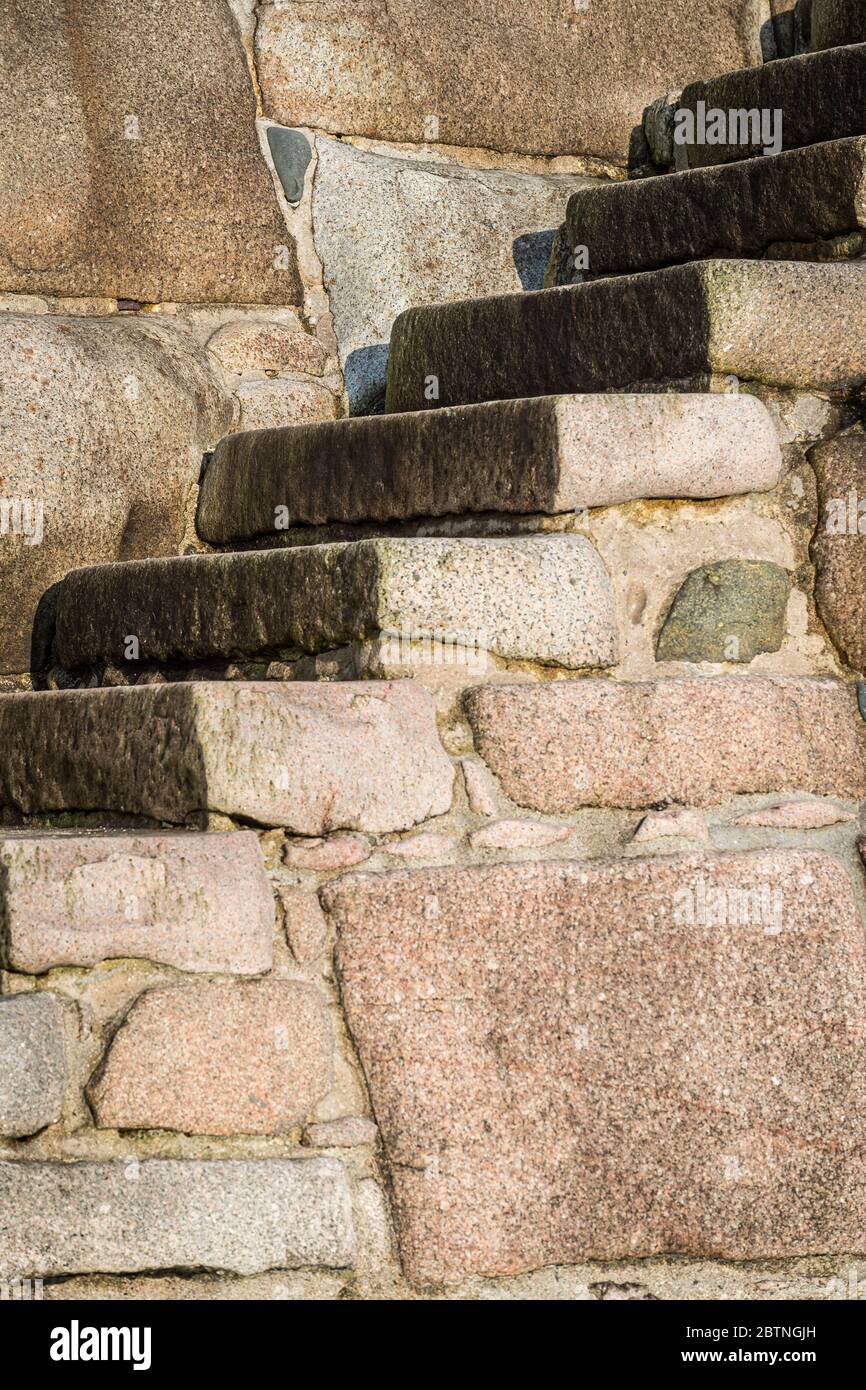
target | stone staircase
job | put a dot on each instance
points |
(453, 871)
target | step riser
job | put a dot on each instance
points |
(836, 22)
(311, 758)
(544, 599)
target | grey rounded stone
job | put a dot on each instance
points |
(727, 611)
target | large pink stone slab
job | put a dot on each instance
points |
(595, 742)
(217, 1058)
(612, 1059)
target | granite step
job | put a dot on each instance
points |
(836, 22)
(780, 323)
(821, 96)
(309, 757)
(544, 455)
(788, 208)
(539, 598)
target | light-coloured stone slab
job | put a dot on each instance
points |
(104, 424)
(613, 1059)
(197, 902)
(596, 742)
(545, 599)
(129, 160)
(240, 1215)
(546, 454)
(313, 758)
(393, 232)
(32, 1063)
(217, 1058)
(554, 79)
(782, 323)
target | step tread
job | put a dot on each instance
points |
(822, 97)
(308, 757)
(738, 209)
(543, 455)
(547, 598)
(780, 323)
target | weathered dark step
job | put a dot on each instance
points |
(744, 209)
(777, 322)
(836, 22)
(547, 455)
(822, 96)
(543, 598)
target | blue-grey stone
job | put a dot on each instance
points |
(291, 153)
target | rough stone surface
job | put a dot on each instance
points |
(546, 599)
(609, 743)
(781, 323)
(518, 834)
(134, 172)
(313, 758)
(107, 191)
(32, 1063)
(822, 97)
(796, 815)
(676, 821)
(217, 1058)
(197, 902)
(405, 71)
(346, 1133)
(427, 845)
(395, 232)
(306, 928)
(727, 611)
(548, 454)
(254, 348)
(479, 793)
(104, 424)
(240, 1215)
(839, 544)
(736, 210)
(565, 1062)
(837, 22)
(267, 405)
(336, 852)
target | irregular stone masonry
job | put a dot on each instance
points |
(548, 454)
(597, 742)
(197, 902)
(312, 758)
(238, 1215)
(546, 599)
(780, 323)
(591, 1061)
(822, 96)
(740, 209)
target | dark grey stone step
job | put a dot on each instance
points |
(836, 22)
(745, 209)
(822, 96)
